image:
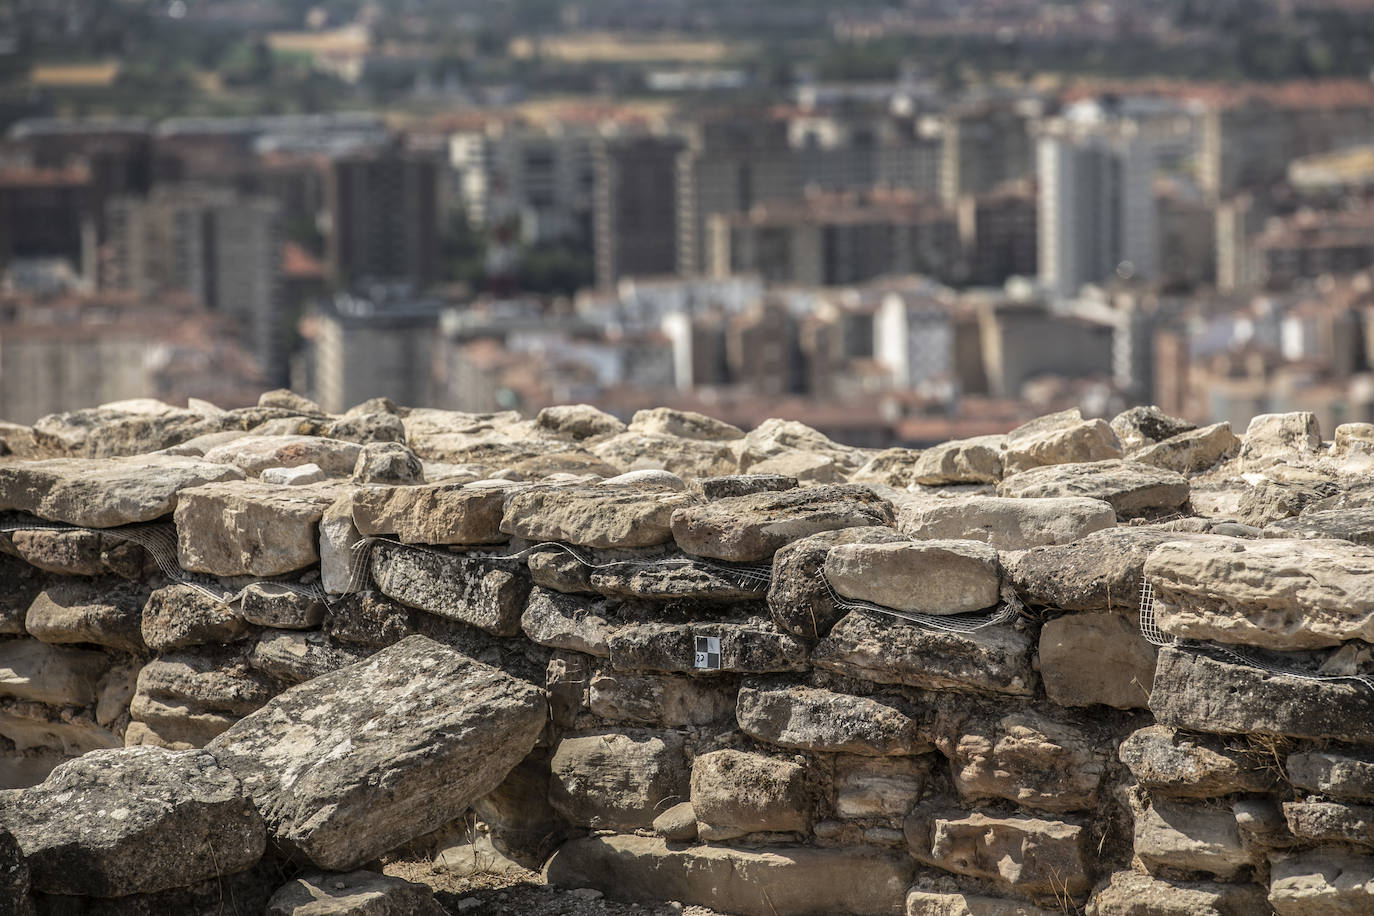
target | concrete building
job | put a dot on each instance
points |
(983, 146)
(913, 336)
(1023, 339)
(1097, 213)
(1308, 244)
(379, 346)
(636, 223)
(384, 210)
(1187, 241)
(998, 235)
(48, 213)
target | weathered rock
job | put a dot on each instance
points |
(1191, 766)
(570, 622)
(475, 592)
(745, 648)
(1199, 693)
(1190, 838)
(269, 604)
(651, 699)
(775, 437)
(298, 476)
(101, 612)
(807, 467)
(676, 578)
(665, 421)
(686, 457)
(254, 454)
(1007, 524)
(1278, 437)
(893, 467)
(596, 516)
(433, 514)
(358, 893)
(1333, 773)
(124, 428)
(678, 824)
(885, 787)
(617, 779)
(58, 676)
(1354, 525)
(813, 719)
(1278, 594)
(1133, 894)
(1134, 489)
(749, 529)
(387, 463)
(441, 730)
(135, 820)
(178, 616)
(925, 577)
(994, 659)
(295, 657)
(1192, 452)
(14, 877)
(1321, 882)
(1059, 438)
(193, 697)
(651, 478)
(798, 598)
(23, 586)
(1096, 658)
(713, 488)
(977, 460)
(935, 903)
(1139, 427)
(735, 793)
(338, 537)
(1270, 501)
(249, 528)
(36, 726)
(1023, 855)
(370, 619)
(1030, 759)
(750, 882)
(104, 493)
(577, 422)
(286, 399)
(364, 428)
(78, 552)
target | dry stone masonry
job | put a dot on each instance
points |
(1123, 669)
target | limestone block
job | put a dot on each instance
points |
(617, 779)
(35, 726)
(58, 676)
(1087, 659)
(814, 719)
(1191, 766)
(296, 656)
(1030, 759)
(1007, 524)
(1137, 428)
(1321, 882)
(673, 579)
(678, 824)
(892, 467)
(885, 787)
(926, 577)
(735, 793)
(387, 463)
(1330, 822)
(686, 457)
(651, 699)
(593, 516)
(936, 903)
(1059, 438)
(362, 428)
(570, 622)
(577, 421)
(775, 437)
(353, 894)
(745, 648)
(1192, 452)
(730, 485)
(1190, 838)
(338, 535)
(798, 598)
(100, 612)
(298, 476)
(178, 616)
(483, 594)
(665, 421)
(1334, 773)
(977, 460)
(1354, 525)
(1130, 893)
(254, 454)
(1280, 437)
(78, 553)
(268, 604)
(249, 528)
(1134, 489)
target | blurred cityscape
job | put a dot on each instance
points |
(898, 222)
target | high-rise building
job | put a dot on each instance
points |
(984, 146)
(997, 232)
(375, 346)
(636, 216)
(1097, 214)
(384, 211)
(47, 214)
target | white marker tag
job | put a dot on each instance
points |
(708, 653)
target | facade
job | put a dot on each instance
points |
(47, 214)
(913, 336)
(384, 210)
(982, 147)
(635, 222)
(361, 348)
(998, 235)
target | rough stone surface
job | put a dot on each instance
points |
(618, 779)
(888, 651)
(178, 616)
(358, 893)
(387, 463)
(1340, 775)
(750, 882)
(735, 793)
(678, 824)
(1030, 759)
(1190, 838)
(1204, 694)
(713, 488)
(685, 457)
(1133, 894)
(433, 514)
(1139, 427)
(1277, 594)
(1191, 766)
(885, 787)
(749, 529)
(104, 493)
(249, 528)
(78, 552)
(56, 675)
(338, 536)
(363, 759)
(1192, 452)
(745, 648)
(893, 467)
(254, 454)
(577, 421)
(476, 592)
(1277, 437)
(814, 719)
(1330, 822)
(1354, 525)
(648, 699)
(1133, 489)
(98, 612)
(596, 516)
(798, 599)
(926, 577)
(977, 460)
(135, 820)
(269, 604)
(1321, 882)
(1007, 524)
(665, 421)
(570, 622)
(298, 476)
(295, 657)
(1059, 438)
(935, 903)
(1087, 659)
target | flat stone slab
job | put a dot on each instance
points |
(361, 760)
(926, 577)
(763, 881)
(255, 454)
(1191, 838)
(100, 612)
(593, 516)
(247, 528)
(1354, 525)
(483, 594)
(1186, 765)
(813, 719)
(573, 622)
(1329, 882)
(748, 529)
(745, 648)
(1133, 489)
(358, 893)
(1277, 594)
(736, 793)
(1007, 524)
(134, 820)
(1199, 693)
(995, 659)
(1340, 775)
(1131, 894)
(612, 779)
(105, 492)
(443, 513)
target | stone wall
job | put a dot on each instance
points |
(764, 672)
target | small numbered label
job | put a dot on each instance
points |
(708, 653)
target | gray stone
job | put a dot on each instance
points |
(676, 578)
(806, 467)
(123, 429)
(775, 437)
(1189, 838)
(178, 616)
(1354, 525)
(617, 779)
(1270, 501)
(338, 537)
(387, 463)
(762, 881)
(678, 824)
(1059, 438)
(1340, 775)
(366, 758)
(1133, 894)
(58, 676)
(295, 657)
(100, 612)
(476, 592)
(1007, 524)
(269, 604)
(1027, 758)
(249, 528)
(293, 477)
(1139, 427)
(652, 699)
(936, 903)
(78, 552)
(665, 421)
(14, 877)
(1330, 822)
(1199, 693)
(134, 820)
(1134, 489)
(286, 399)
(977, 460)
(191, 698)
(570, 622)
(593, 516)
(686, 457)
(104, 493)
(367, 427)
(798, 598)
(994, 659)
(745, 648)
(1191, 766)
(1086, 659)
(577, 422)
(925, 577)
(892, 467)
(735, 793)
(885, 787)
(358, 893)
(1321, 882)
(1192, 452)
(254, 454)
(749, 529)
(1277, 594)
(713, 488)
(433, 514)
(813, 719)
